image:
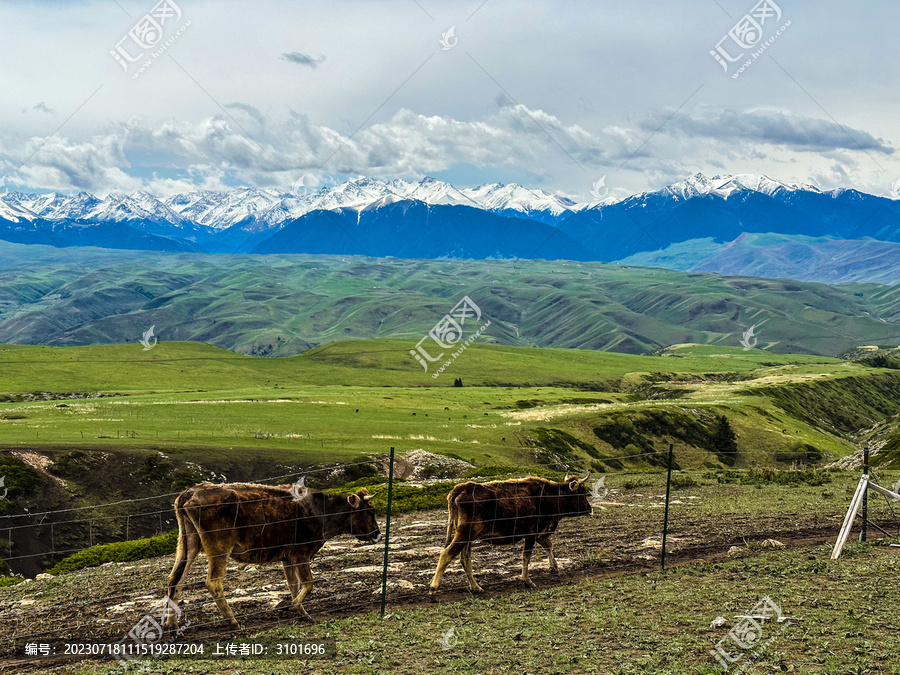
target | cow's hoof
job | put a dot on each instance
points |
(302, 614)
(476, 589)
(527, 582)
(554, 572)
(234, 624)
(284, 603)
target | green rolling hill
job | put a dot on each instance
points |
(283, 304)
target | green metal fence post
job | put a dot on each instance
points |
(387, 533)
(666, 516)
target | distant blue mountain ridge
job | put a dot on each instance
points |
(700, 224)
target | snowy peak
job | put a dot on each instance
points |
(498, 197)
(432, 191)
(220, 210)
(139, 206)
(725, 185)
(15, 213)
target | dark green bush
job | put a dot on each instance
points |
(491, 471)
(20, 480)
(406, 497)
(368, 481)
(184, 480)
(683, 480)
(123, 551)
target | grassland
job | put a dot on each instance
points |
(353, 397)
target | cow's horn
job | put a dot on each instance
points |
(368, 497)
(586, 476)
(568, 478)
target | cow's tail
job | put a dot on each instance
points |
(452, 517)
(187, 537)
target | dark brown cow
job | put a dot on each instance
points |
(505, 512)
(261, 524)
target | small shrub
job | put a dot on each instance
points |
(368, 481)
(360, 467)
(682, 480)
(20, 480)
(632, 483)
(9, 581)
(490, 471)
(155, 468)
(123, 551)
(184, 480)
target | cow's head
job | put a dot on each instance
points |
(578, 502)
(363, 524)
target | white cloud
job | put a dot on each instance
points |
(250, 148)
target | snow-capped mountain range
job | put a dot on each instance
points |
(221, 210)
(432, 218)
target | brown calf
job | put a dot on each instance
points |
(505, 512)
(261, 524)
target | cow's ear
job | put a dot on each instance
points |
(574, 485)
(354, 500)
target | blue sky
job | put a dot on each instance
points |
(548, 94)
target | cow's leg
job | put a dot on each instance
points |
(303, 573)
(465, 557)
(293, 582)
(188, 548)
(455, 548)
(526, 558)
(214, 582)
(547, 544)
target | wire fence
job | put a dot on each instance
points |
(627, 530)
